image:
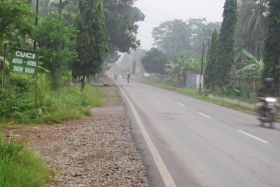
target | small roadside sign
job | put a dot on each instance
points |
(23, 61)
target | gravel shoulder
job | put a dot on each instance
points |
(97, 151)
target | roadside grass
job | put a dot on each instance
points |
(217, 101)
(65, 104)
(20, 166)
(69, 103)
(195, 94)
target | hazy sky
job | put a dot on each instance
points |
(157, 11)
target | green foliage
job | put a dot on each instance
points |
(240, 92)
(178, 37)
(155, 61)
(120, 22)
(57, 43)
(225, 56)
(92, 41)
(195, 94)
(172, 37)
(251, 27)
(253, 68)
(69, 103)
(15, 98)
(120, 19)
(272, 44)
(17, 101)
(179, 68)
(20, 166)
(210, 70)
(15, 20)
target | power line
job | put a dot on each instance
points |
(145, 36)
(154, 8)
(156, 14)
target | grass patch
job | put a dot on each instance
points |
(20, 166)
(195, 94)
(67, 103)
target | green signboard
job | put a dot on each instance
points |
(23, 61)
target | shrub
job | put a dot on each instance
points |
(20, 166)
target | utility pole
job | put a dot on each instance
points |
(35, 47)
(3, 65)
(202, 64)
(36, 22)
(60, 7)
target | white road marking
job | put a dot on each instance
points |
(205, 115)
(181, 104)
(252, 136)
(166, 176)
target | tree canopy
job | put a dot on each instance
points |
(210, 70)
(225, 58)
(154, 61)
(15, 20)
(91, 38)
(272, 44)
(178, 37)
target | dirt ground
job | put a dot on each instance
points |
(97, 151)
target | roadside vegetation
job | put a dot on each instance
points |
(71, 49)
(17, 102)
(20, 166)
(195, 94)
(234, 56)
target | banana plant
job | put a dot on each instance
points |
(253, 68)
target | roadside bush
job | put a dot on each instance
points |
(20, 166)
(237, 92)
(15, 98)
(17, 101)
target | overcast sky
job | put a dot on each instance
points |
(157, 11)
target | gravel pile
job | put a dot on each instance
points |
(98, 151)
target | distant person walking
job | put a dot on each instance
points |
(128, 77)
(116, 76)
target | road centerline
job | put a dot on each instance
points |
(181, 104)
(252, 136)
(205, 115)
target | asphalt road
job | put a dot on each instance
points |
(194, 143)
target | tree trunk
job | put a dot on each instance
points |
(83, 83)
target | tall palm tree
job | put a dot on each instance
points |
(252, 27)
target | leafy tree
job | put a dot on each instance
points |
(177, 37)
(120, 23)
(15, 19)
(200, 31)
(57, 44)
(225, 56)
(210, 71)
(154, 61)
(252, 26)
(272, 43)
(172, 37)
(120, 20)
(180, 67)
(253, 68)
(92, 41)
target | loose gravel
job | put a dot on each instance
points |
(98, 151)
